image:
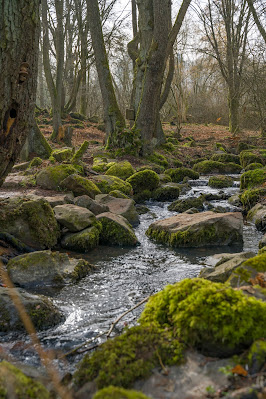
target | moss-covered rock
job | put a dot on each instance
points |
(118, 393)
(83, 241)
(257, 215)
(16, 385)
(177, 174)
(250, 197)
(159, 159)
(256, 156)
(118, 194)
(116, 230)
(99, 164)
(226, 158)
(80, 186)
(35, 162)
(257, 356)
(164, 178)
(187, 203)
(167, 192)
(220, 181)
(253, 178)
(212, 317)
(63, 154)
(206, 167)
(110, 183)
(85, 201)
(77, 157)
(50, 177)
(248, 271)
(40, 309)
(73, 217)
(31, 221)
(253, 166)
(131, 356)
(123, 170)
(144, 180)
(197, 230)
(46, 268)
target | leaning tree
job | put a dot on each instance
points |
(19, 35)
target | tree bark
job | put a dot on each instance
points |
(19, 27)
(113, 118)
(256, 19)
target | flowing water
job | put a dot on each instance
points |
(123, 277)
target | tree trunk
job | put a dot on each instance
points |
(19, 26)
(114, 120)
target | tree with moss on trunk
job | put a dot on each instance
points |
(19, 36)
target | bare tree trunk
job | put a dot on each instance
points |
(19, 26)
(256, 19)
(114, 120)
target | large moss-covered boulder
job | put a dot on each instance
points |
(40, 309)
(206, 167)
(92, 205)
(16, 385)
(62, 154)
(83, 241)
(250, 197)
(116, 230)
(118, 393)
(110, 183)
(187, 203)
(253, 166)
(177, 174)
(99, 164)
(248, 157)
(226, 158)
(120, 206)
(220, 181)
(212, 317)
(73, 217)
(51, 177)
(46, 268)
(167, 192)
(198, 230)
(225, 266)
(129, 357)
(257, 215)
(31, 221)
(144, 180)
(80, 186)
(123, 170)
(253, 178)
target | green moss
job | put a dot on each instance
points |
(159, 159)
(118, 393)
(144, 180)
(50, 177)
(226, 158)
(257, 356)
(253, 166)
(258, 263)
(247, 157)
(187, 203)
(115, 234)
(210, 166)
(219, 146)
(250, 197)
(83, 241)
(220, 181)
(35, 162)
(77, 157)
(61, 155)
(99, 164)
(166, 193)
(253, 178)
(145, 195)
(80, 186)
(177, 175)
(131, 356)
(23, 386)
(118, 194)
(110, 183)
(207, 315)
(123, 170)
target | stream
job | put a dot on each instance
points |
(123, 277)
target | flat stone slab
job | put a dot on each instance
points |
(73, 217)
(198, 230)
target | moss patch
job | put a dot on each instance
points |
(123, 170)
(256, 156)
(253, 178)
(50, 177)
(131, 356)
(250, 197)
(220, 181)
(226, 158)
(118, 393)
(35, 162)
(206, 167)
(111, 183)
(187, 203)
(12, 380)
(144, 180)
(177, 174)
(209, 316)
(159, 159)
(253, 166)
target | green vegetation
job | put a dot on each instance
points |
(50, 177)
(167, 192)
(257, 356)
(250, 197)
(210, 166)
(144, 180)
(77, 157)
(118, 393)
(13, 383)
(110, 183)
(177, 175)
(253, 178)
(256, 156)
(209, 316)
(185, 204)
(62, 155)
(226, 158)
(253, 166)
(128, 357)
(159, 159)
(35, 162)
(220, 181)
(123, 170)
(114, 233)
